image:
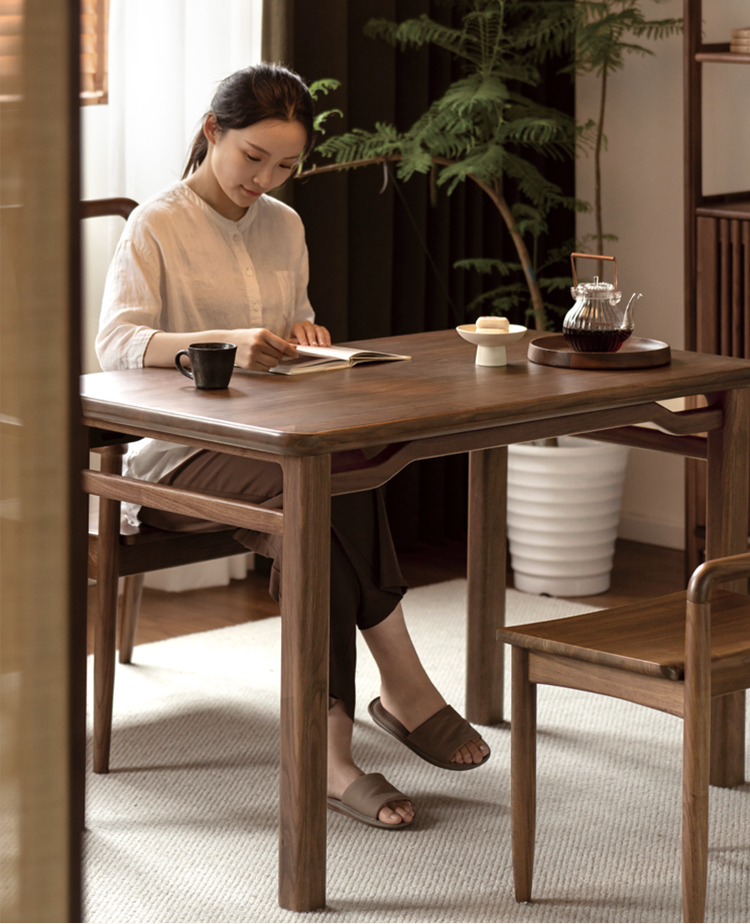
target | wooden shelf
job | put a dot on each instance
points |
(736, 209)
(722, 57)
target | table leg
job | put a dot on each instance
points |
(488, 480)
(304, 682)
(105, 630)
(728, 486)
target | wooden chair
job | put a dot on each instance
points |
(112, 555)
(672, 653)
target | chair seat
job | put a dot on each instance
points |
(647, 637)
(153, 549)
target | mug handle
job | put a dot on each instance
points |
(179, 365)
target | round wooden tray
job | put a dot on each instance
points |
(635, 353)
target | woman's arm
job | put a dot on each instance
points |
(258, 349)
(134, 316)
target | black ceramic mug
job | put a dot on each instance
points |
(212, 364)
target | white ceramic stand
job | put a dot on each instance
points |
(491, 343)
(491, 356)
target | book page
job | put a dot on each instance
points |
(331, 352)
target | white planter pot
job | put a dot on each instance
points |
(563, 511)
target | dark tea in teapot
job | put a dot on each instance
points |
(596, 341)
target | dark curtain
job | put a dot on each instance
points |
(381, 259)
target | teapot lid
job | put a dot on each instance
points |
(595, 289)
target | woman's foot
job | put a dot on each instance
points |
(406, 691)
(394, 813)
(412, 711)
(342, 771)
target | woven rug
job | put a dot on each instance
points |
(184, 828)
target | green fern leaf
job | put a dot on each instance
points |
(325, 86)
(485, 265)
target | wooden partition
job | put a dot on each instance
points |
(42, 563)
(717, 250)
(721, 325)
(723, 281)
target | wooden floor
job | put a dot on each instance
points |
(639, 571)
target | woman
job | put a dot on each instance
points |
(214, 259)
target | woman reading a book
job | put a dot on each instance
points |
(214, 259)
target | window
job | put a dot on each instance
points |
(11, 48)
(94, 29)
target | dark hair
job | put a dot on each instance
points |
(263, 91)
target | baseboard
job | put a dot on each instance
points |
(201, 574)
(652, 532)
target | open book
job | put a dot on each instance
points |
(321, 359)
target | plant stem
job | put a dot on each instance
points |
(331, 168)
(598, 172)
(540, 317)
(537, 304)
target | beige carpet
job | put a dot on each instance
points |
(184, 828)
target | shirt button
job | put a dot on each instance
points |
(237, 238)
(249, 272)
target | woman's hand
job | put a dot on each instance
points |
(260, 350)
(308, 334)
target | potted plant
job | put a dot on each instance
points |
(480, 130)
(486, 128)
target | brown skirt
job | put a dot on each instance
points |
(366, 580)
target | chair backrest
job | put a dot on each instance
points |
(99, 241)
(98, 208)
(102, 208)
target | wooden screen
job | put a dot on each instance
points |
(723, 286)
(42, 509)
(722, 325)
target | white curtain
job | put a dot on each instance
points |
(166, 58)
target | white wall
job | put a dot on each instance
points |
(642, 204)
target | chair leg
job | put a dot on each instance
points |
(522, 773)
(131, 605)
(696, 763)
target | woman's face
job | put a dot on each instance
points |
(247, 162)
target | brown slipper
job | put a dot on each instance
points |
(365, 797)
(435, 740)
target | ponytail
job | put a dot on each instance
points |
(198, 151)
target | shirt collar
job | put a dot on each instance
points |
(225, 224)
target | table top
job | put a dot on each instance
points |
(439, 392)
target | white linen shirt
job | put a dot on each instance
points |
(180, 266)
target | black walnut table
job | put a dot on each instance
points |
(438, 404)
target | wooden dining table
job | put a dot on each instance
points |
(437, 404)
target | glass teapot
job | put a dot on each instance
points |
(595, 324)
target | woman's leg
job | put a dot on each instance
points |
(261, 483)
(406, 690)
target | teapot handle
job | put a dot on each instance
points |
(590, 256)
